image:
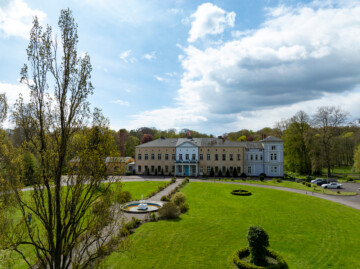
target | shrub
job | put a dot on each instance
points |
(258, 241)
(212, 174)
(164, 198)
(243, 175)
(308, 178)
(274, 180)
(261, 177)
(160, 188)
(156, 171)
(178, 198)
(235, 173)
(153, 217)
(123, 197)
(184, 207)
(128, 173)
(173, 180)
(299, 180)
(279, 180)
(169, 211)
(220, 173)
(187, 179)
(232, 179)
(227, 173)
(241, 192)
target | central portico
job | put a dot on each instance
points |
(187, 158)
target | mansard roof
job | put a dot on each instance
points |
(200, 142)
(272, 139)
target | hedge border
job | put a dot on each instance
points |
(244, 252)
(241, 192)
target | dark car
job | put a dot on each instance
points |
(319, 183)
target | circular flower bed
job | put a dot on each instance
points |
(241, 192)
(245, 252)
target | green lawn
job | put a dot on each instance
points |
(292, 185)
(135, 188)
(307, 231)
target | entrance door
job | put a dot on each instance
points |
(186, 170)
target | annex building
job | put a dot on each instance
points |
(199, 156)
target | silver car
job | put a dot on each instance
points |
(332, 185)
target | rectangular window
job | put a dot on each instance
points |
(201, 170)
(251, 157)
(238, 170)
(166, 169)
(139, 156)
(173, 157)
(208, 170)
(139, 168)
(153, 156)
(231, 157)
(275, 156)
(260, 157)
(186, 156)
(152, 169)
(193, 157)
(201, 157)
(208, 157)
(159, 169)
(216, 170)
(273, 147)
(193, 169)
(146, 157)
(216, 157)
(180, 168)
(271, 156)
(231, 169)
(249, 170)
(173, 169)
(159, 156)
(273, 169)
(239, 157)
(180, 157)
(224, 157)
(166, 156)
(256, 157)
(146, 168)
(223, 170)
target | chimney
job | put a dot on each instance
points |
(122, 142)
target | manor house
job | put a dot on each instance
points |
(199, 156)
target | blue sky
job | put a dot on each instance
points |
(212, 66)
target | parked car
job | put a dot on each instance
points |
(332, 185)
(321, 182)
(316, 180)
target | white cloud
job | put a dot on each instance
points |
(209, 20)
(150, 56)
(159, 78)
(12, 92)
(126, 58)
(301, 57)
(121, 102)
(16, 18)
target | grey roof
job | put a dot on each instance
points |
(164, 143)
(200, 142)
(272, 139)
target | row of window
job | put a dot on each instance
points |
(159, 169)
(193, 157)
(222, 169)
(256, 157)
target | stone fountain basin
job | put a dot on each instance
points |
(132, 207)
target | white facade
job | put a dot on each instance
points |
(254, 162)
(273, 158)
(187, 159)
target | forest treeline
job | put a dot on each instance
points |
(311, 142)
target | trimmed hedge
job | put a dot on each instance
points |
(244, 252)
(241, 192)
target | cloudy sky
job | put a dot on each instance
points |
(214, 66)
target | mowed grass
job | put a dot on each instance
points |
(135, 188)
(308, 232)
